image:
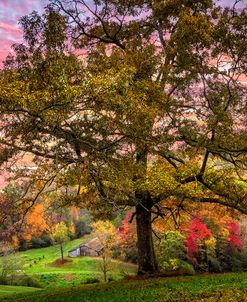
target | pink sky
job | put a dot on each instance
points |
(10, 13)
(12, 10)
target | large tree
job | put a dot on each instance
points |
(151, 114)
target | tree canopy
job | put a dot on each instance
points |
(152, 113)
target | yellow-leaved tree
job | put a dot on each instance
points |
(60, 236)
(108, 237)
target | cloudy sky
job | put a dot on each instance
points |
(10, 13)
(12, 10)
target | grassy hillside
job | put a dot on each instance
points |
(37, 258)
(208, 288)
(67, 282)
(40, 263)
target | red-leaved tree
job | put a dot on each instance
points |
(196, 235)
(233, 237)
(128, 238)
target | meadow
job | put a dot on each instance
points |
(230, 287)
(69, 282)
(42, 265)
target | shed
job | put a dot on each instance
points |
(90, 248)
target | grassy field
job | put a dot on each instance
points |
(6, 291)
(67, 282)
(77, 271)
(208, 288)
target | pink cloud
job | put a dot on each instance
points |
(10, 28)
(10, 13)
(5, 3)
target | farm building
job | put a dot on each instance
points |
(90, 248)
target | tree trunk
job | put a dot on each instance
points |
(104, 266)
(146, 256)
(61, 248)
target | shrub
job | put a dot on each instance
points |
(186, 268)
(25, 280)
(91, 280)
(111, 278)
(179, 266)
(236, 265)
(130, 253)
(11, 264)
(37, 242)
(47, 241)
(214, 266)
(82, 226)
(19, 280)
(3, 280)
(172, 251)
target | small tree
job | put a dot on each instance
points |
(172, 250)
(11, 263)
(108, 237)
(60, 236)
(127, 232)
(198, 241)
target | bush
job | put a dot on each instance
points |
(19, 280)
(82, 227)
(29, 281)
(91, 280)
(179, 266)
(236, 265)
(111, 278)
(37, 242)
(3, 280)
(186, 268)
(43, 241)
(172, 247)
(23, 245)
(214, 266)
(11, 264)
(46, 240)
(130, 253)
(172, 252)
(239, 261)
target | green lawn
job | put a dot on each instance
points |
(6, 291)
(77, 271)
(208, 288)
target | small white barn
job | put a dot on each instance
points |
(90, 248)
